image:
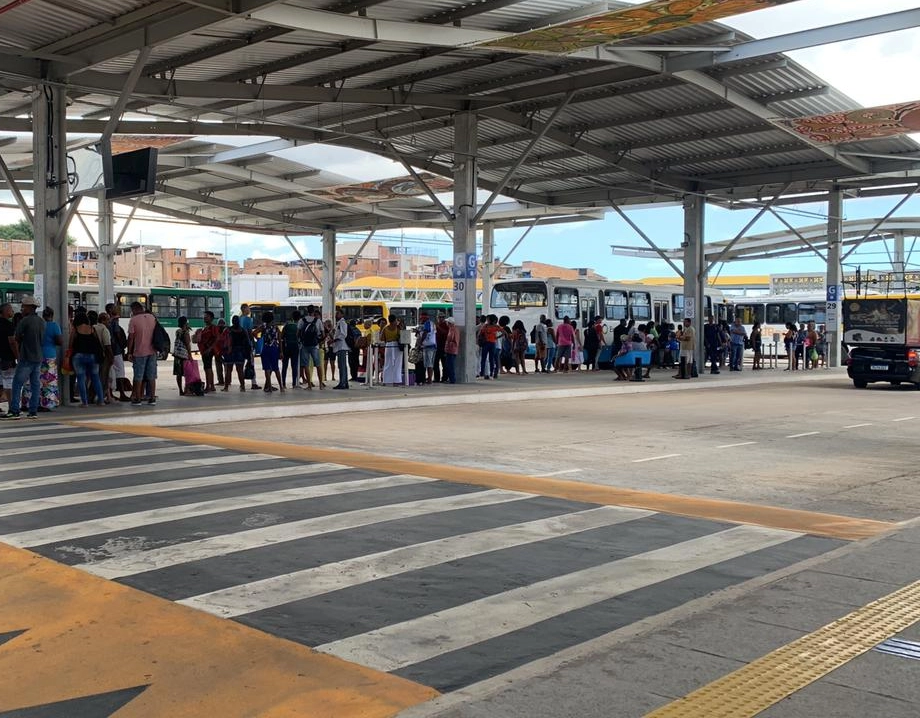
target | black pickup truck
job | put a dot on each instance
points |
(884, 336)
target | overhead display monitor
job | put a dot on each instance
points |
(133, 174)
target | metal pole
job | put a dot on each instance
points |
(465, 178)
(488, 261)
(328, 288)
(695, 267)
(106, 252)
(49, 138)
(50, 196)
(834, 238)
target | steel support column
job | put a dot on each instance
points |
(834, 238)
(106, 252)
(898, 264)
(328, 288)
(695, 269)
(465, 175)
(49, 148)
(488, 260)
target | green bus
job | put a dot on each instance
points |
(166, 303)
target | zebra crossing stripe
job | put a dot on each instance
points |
(217, 479)
(45, 437)
(278, 590)
(409, 642)
(67, 532)
(140, 454)
(136, 470)
(39, 430)
(83, 445)
(141, 561)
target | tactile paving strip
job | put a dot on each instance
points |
(769, 679)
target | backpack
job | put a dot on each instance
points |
(352, 336)
(161, 342)
(309, 334)
(533, 335)
(289, 335)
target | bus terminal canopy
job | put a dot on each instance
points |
(639, 105)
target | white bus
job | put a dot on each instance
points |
(775, 310)
(582, 300)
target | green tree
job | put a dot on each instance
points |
(19, 230)
(23, 230)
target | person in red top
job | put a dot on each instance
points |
(565, 339)
(208, 346)
(488, 334)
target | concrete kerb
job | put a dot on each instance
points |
(474, 394)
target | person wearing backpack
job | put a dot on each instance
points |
(290, 349)
(310, 336)
(117, 378)
(141, 353)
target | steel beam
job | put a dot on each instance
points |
(780, 44)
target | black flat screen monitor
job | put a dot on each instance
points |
(133, 173)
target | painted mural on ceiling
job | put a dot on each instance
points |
(866, 123)
(626, 23)
(384, 190)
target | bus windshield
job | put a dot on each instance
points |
(518, 295)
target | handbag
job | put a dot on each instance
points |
(415, 355)
(67, 362)
(249, 372)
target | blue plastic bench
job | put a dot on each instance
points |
(629, 359)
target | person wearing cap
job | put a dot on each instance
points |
(27, 346)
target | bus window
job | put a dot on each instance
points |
(125, 299)
(816, 313)
(192, 307)
(566, 301)
(518, 295)
(640, 306)
(217, 305)
(749, 313)
(614, 304)
(707, 301)
(409, 315)
(165, 306)
(76, 299)
(677, 308)
(782, 313)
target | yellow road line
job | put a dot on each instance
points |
(821, 524)
(768, 680)
(86, 635)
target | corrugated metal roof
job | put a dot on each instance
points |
(646, 136)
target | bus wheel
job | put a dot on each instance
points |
(860, 383)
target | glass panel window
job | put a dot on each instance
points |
(677, 308)
(816, 313)
(640, 306)
(165, 307)
(615, 306)
(216, 305)
(192, 307)
(518, 295)
(749, 313)
(566, 301)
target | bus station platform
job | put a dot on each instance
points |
(219, 407)
(540, 546)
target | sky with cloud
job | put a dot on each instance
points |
(873, 71)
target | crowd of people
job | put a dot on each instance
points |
(309, 351)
